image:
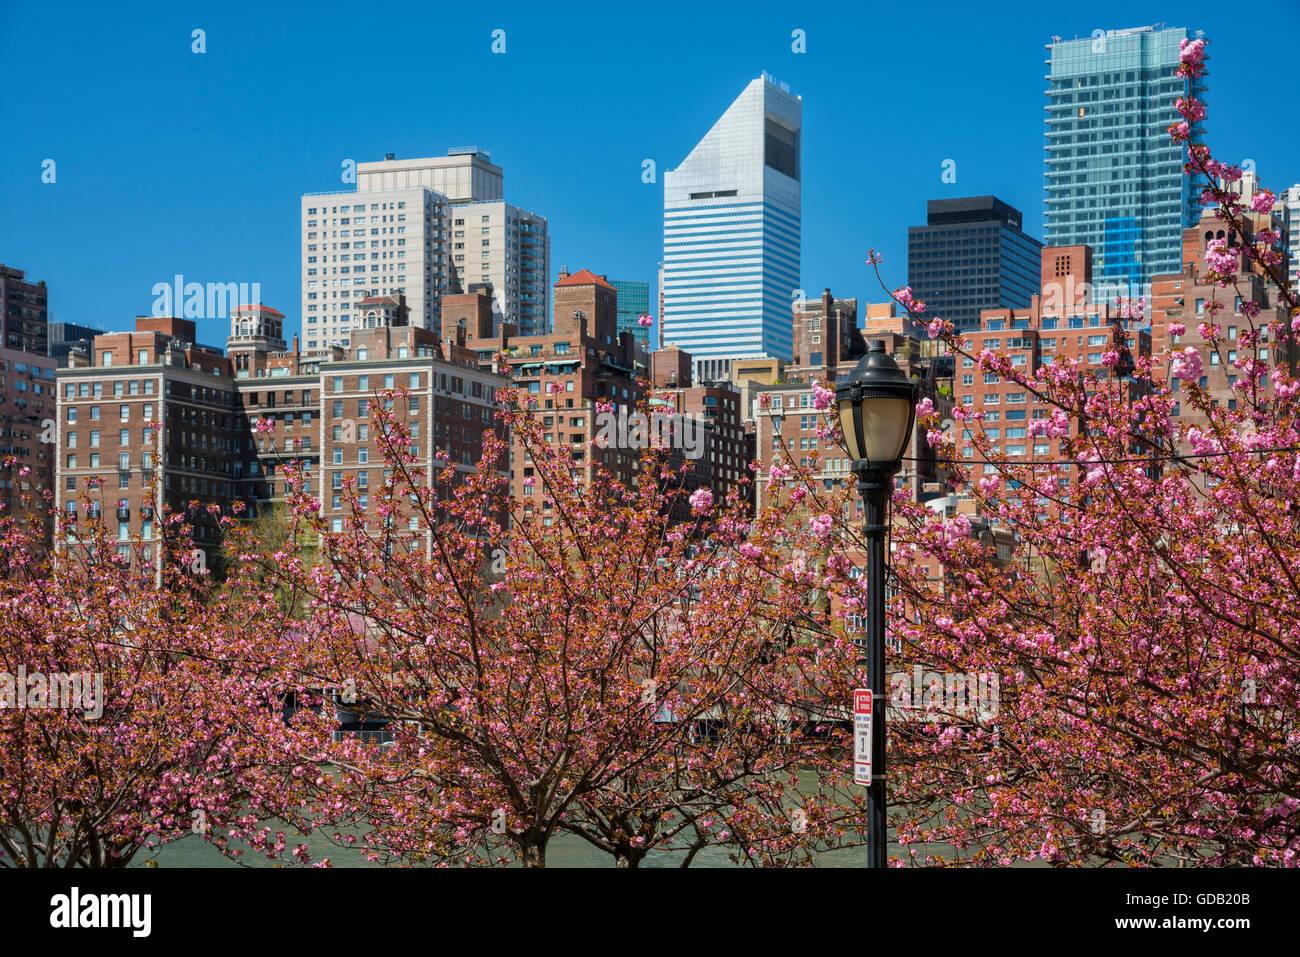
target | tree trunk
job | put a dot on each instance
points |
(534, 854)
(630, 855)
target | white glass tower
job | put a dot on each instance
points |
(732, 234)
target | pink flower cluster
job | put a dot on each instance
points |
(1188, 365)
(1262, 202)
(822, 396)
(1192, 55)
(701, 501)
(1191, 108)
(905, 299)
(1219, 259)
(821, 526)
(1057, 426)
(646, 320)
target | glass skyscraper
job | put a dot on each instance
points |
(633, 303)
(970, 255)
(1113, 176)
(732, 234)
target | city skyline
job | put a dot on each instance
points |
(178, 208)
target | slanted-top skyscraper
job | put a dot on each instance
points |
(1113, 176)
(732, 240)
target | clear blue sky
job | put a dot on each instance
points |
(173, 162)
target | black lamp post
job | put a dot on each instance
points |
(877, 406)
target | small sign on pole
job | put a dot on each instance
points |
(862, 736)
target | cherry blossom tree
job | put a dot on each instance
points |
(1145, 638)
(640, 682)
(136, 705)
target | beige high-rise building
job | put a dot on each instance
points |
(421, 228)
(376, 243)
(507, 247)
(465, 175)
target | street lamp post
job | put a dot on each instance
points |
(877, 408)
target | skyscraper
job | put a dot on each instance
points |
(464, 175)
(508, 247)
(732, 226)
(633, 303)
(376, 243)
(1113, 176)
(491, 241)
(971, 255)
(441, 225)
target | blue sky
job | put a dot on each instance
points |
(174, 162)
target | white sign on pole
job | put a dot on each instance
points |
(861, 736)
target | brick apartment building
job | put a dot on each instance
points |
(209, 404)
(725, 448)
(27, 402)
(826, 336)
(1184, 298)
(447, 406)
(1062, 323)
(788, 419)
(562, 375)
(27, 410)
(108, 402)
